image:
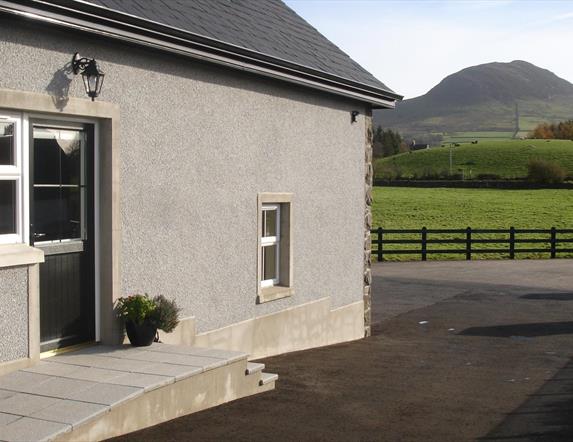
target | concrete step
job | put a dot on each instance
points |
(100, 392)
(267, 378)
(254, 367)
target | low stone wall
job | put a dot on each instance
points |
(302, 327)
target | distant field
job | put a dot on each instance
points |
(508, 158)
(457, 137)
(439, 208)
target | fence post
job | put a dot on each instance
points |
(553, 242)
(469, 243)
(512, 242)
(379, 253)
(424, 239)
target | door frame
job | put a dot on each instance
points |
(28, 119)
(109, 231)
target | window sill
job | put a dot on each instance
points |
(273, 293)
(19, 254)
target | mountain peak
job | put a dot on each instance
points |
(482, 98)
(504, 82)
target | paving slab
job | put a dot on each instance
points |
(25, 404)
(91, 374)
(178, 359)
(146, 381)
(98, 361)
(20, 380)
(51, 368)
(180, 372)
(6, 418)
(228, 355)
(106, 394)
(59, 387)
(71, 412)
(29, 429)
(6, 394)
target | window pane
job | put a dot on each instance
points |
(270, 223)
(7, 207)
(71, 145)
(71, 213)
(46, 161)
(270, 262)
(47, 213)
(7, 144)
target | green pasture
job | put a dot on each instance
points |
(444, 208)
(508, 159)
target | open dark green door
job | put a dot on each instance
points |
(61, 224)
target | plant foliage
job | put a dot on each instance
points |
(135, 308)
(165, 316)
(545, 172)
(161, 312)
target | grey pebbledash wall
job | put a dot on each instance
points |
(13, 313)
(197, 143)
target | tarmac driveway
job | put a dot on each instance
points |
(477, 350)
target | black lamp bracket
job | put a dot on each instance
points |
(79, 64)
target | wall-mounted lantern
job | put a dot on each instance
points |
(353, 116)
(91, 74)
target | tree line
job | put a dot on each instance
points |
(555, 131)
(387, 142)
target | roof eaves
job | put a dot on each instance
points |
(98, 19)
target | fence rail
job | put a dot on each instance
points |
(382, 238)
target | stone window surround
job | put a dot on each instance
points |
(107, 115)
(285, 287)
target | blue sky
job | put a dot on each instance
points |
(412, 45)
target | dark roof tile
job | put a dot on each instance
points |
(266, 26)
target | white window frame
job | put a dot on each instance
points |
(16, 173)
(267, 241)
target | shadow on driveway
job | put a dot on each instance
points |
(522, 330)
(547, 415)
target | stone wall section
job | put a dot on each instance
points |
(13, 313)
(368, 178)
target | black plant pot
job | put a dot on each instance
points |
(140, 335)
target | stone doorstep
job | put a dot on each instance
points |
(62, 392)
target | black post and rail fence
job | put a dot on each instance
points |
(470, 242)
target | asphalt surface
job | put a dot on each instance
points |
(461, 351)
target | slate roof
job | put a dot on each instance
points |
(269, 27)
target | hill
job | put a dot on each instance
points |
(508, 159)
(492, 97)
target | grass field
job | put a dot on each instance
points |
(439, 208)
(508, 159)
(464, 137)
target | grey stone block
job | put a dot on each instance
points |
(6, 394)
(178, 371)
(28, 429)
(106, 394)
(59, 387)
(98, 361)
(5, 418)
(228, 355)
(93, 374)
(146, 381)
(19, 380)
(25, 404)
(51, 368)
(71, 412)
(179, 359)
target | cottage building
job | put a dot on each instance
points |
(215, 152)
